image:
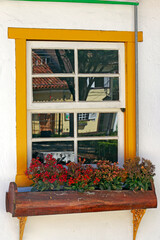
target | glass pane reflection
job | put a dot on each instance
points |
(52, 61)
(97, 124)
(53, 89)
(98, 61)
(62, 151)
(98, 150)
(97, 89)
(52, 125)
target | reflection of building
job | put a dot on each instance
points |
(98, 89)
(97, 124)
(49, 89)
(102, 89)
(59, 124)
(50, 125)
(53, 60)
(39, 65)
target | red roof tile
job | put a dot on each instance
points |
(49, 82)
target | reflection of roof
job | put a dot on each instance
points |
(49, 82)
(38, 67)
(45, 82)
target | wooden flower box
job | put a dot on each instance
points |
(23, 204)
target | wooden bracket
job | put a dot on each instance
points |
(137, 217)
(22, 222)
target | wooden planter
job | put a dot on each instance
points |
(23, 204)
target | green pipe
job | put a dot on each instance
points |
(87, 1)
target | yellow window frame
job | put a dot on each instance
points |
(22, 35)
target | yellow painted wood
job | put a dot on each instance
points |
(22, 180)
(137, 217)
(130, 113)
(21, 106)
(22, 223)
(72, 35)
(21, 35)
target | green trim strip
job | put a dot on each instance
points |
(87, 1)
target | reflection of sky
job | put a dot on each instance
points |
(115, 123)
(106, 82)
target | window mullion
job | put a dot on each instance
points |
(50, 75)
(76, 100)
(97, 138)
(75, 138)
(76, 74)
(98, 75)
(52, 139)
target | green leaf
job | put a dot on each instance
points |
(91, 188)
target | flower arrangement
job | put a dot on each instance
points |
(135, 175)
(48, 176)
(139, 174)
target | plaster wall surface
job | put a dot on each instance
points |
(93, 226)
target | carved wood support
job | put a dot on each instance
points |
(137, 217)
(22, 222)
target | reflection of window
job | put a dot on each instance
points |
(87, 79)
(83, 116)
(67, 116)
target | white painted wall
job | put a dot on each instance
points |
(90, 226)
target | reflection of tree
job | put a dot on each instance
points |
(66, 63)
(58, 60)
(95, 61)
(89, 61)
(84, 88)
(107, 150)
(98, 150)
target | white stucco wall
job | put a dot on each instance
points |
(90, 226)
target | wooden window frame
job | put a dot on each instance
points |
(77, 106)
(21, 35)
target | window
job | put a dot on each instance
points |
(22, 36)
(86, 83)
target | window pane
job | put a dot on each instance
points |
(98, 89)
(62, 151)
(53, 89)
(52, 61)
(97, 124)
(98, 61)
(52, 125)
(98, 150)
